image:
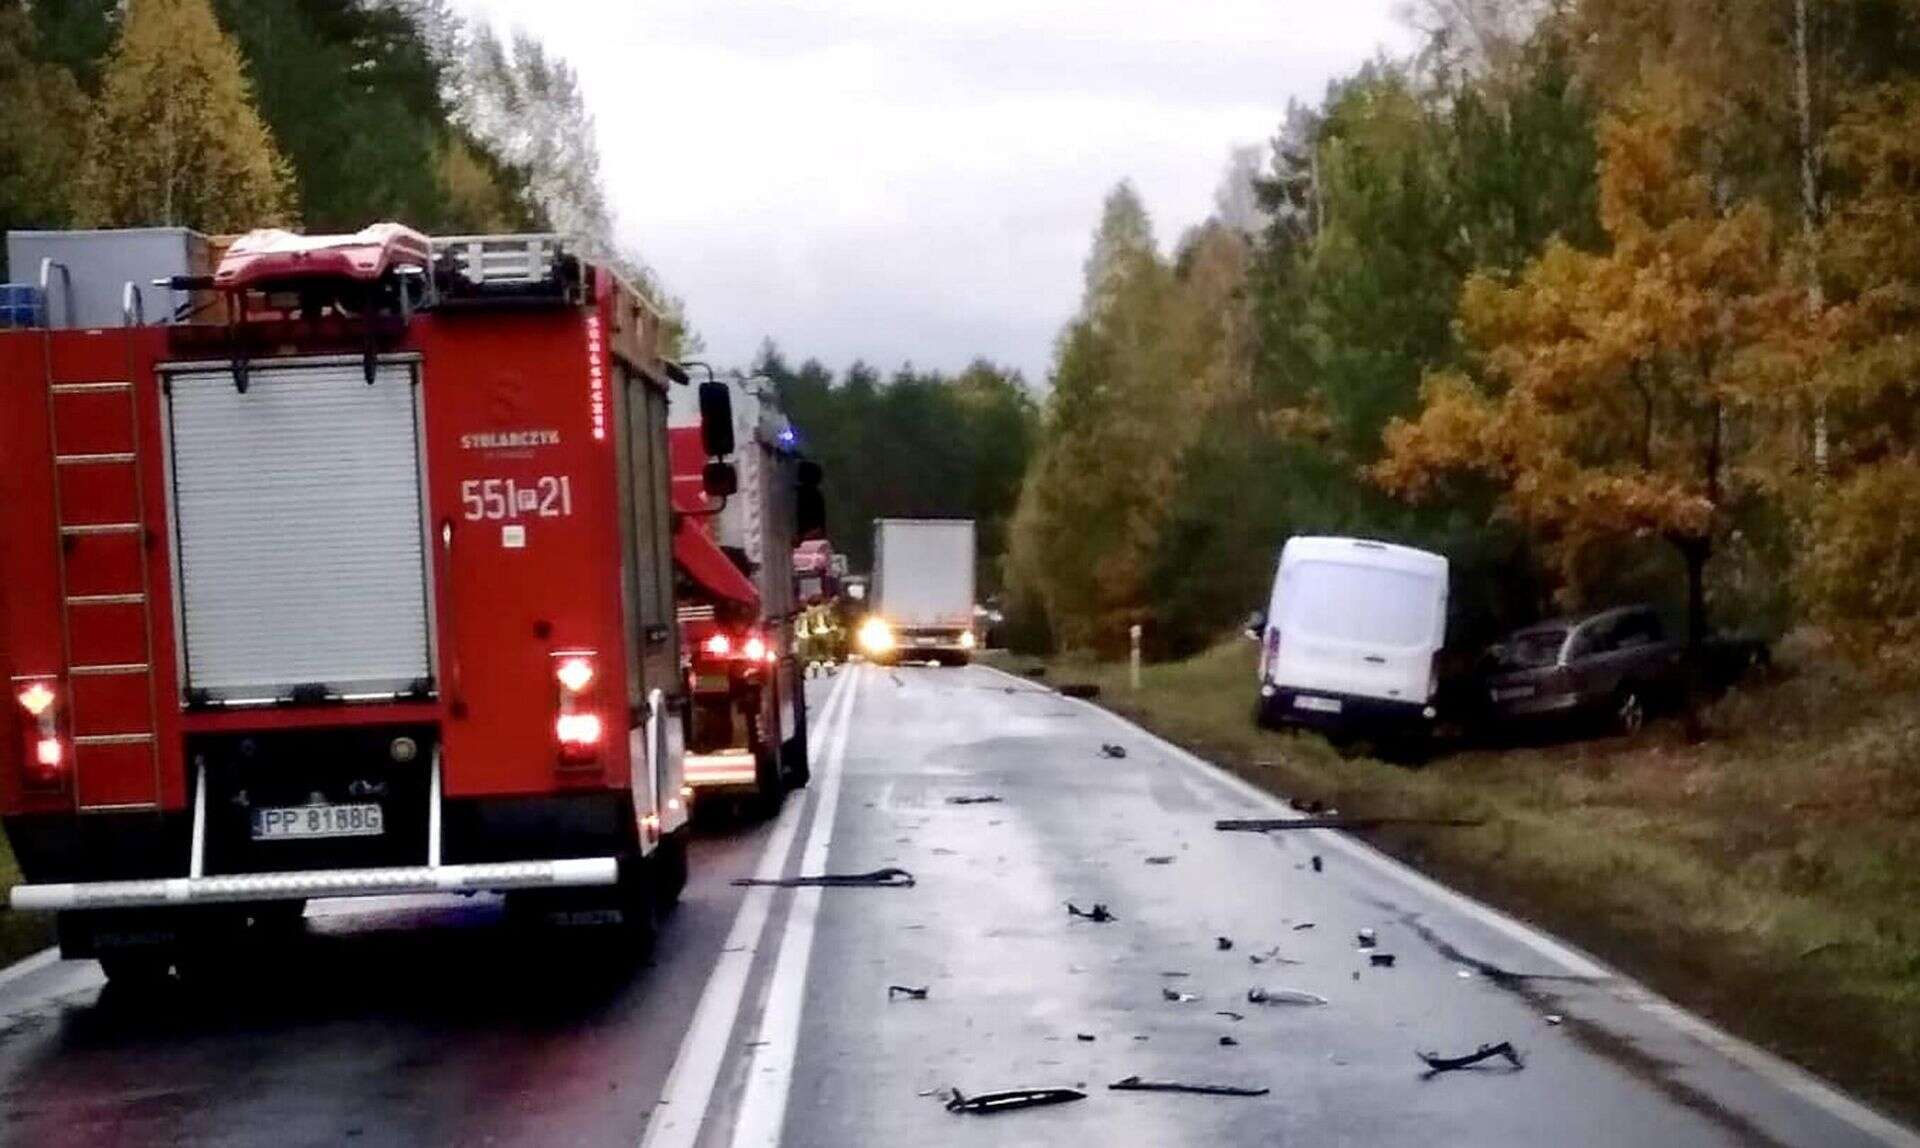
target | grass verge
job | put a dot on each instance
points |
(20, 933)
(1768, 878)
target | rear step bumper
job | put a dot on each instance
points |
(728, 768)
(246, 887)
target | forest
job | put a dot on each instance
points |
(1604, 299)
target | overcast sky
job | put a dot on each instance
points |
(904, 180)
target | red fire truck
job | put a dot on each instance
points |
(746, 725)
(353, 577)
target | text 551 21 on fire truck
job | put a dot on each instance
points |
(348, 574)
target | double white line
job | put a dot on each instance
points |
(682, 1112)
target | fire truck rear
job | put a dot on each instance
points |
(349, 574)
(746, 725)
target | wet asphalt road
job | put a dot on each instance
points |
(766, 1019)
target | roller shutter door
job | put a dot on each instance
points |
(298, 525)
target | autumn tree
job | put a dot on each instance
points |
(41, 108)
(174, 138)
(1614, 396)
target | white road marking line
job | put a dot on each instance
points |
(682, 1108)
(27, 966)
(763, 1108)
(1781, 1073)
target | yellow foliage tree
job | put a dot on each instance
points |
(174, 138)
(1618, 395)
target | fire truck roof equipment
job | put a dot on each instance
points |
(271, 255)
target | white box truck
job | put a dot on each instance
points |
(922, 604)
(1350, 637)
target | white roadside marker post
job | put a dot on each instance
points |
(1133, 656)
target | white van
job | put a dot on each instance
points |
(1351, 635)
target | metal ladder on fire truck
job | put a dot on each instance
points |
(106, 619)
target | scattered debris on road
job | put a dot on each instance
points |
(1007, 1100)
(1380, 960)
(1098, 914)
(1555, 1018)
(896, 678)
(1437, 1064)
(1366, 938)
(1108, 749)
(1258, 995)
(1273, 955)
(1222, 944)
(974, 799)
(1176, 996)
(1303, 926)
(1086, 1036)
(1229, 1014)
(1085, 691)
(908, 991)
(1316, 863)
(1135, 1084)
(889, 878)
(1160, 859)
(1228, 1042)
(1271, 824)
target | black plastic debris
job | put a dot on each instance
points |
(1380, 960)
(1316, 863)
(1176, 996)
(1274, 824)
(1082, 690)
(1228, 1042)
(1366, 938)
(1098, 914)
(1222, 944)
(1437, 1064)
(1272, 955)
(1302, 926)
(1135, 1084)
(974, 799)
(1108, 749)
(907, 991)
(1258, 995)
(1229, 1014)
(1160, 859)
(1086, 1036)
(1007, 1100)
(888, 878)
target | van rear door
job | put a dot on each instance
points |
(1359, 629)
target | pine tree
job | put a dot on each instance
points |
(174, 137)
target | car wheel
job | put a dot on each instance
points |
(1629, 711)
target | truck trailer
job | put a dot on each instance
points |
(922, 602)
(350, 574)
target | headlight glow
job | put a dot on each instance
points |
(966, 639)
(876, 637)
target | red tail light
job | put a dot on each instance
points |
(755, 649)
(719, 645)
(46, 760)
(577, 727)
(1269, 650)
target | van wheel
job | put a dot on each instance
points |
(670, 870)
(1629, 711)
(770, 786)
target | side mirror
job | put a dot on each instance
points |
(719, 479)
(716, 421)
(1255, 627)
